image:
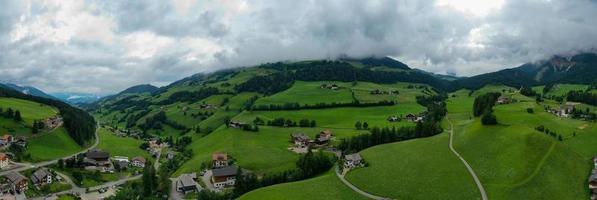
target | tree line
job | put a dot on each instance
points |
(297, 106)
(587, 97)
(281, 122)
(11, 114)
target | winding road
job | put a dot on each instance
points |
(468, 167)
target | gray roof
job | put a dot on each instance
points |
(15, 177)
(225, 171)
(300, 136)
(353, 157)
(97, 155)
(39, 175)
(186, 180)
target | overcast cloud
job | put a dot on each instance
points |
(106, 46)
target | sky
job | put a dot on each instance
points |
(102, 47)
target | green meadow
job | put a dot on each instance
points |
(265, 151)
(414, 169)
(30, 111)
(326, 186)
(513, 160)
(49, 146)
(340, 117)
(120, 146)
(310, 93)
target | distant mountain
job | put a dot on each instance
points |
(29, 90)
(138, 89)
(580, 69)
(447, 77)
(380, 62)
(76, 98)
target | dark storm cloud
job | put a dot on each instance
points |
(106, 46)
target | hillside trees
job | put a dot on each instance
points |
(484, 103)
(79, 124)
(587, 97)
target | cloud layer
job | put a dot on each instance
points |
(106, 46)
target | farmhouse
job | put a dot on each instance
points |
(324, 137)
(207, 106)
(97, 157)
(352, 160)
(410, 117)
(21, 141)
(219, 160)
(235, 124)
(7, 138)
(223, 177)
(504, 100)
(329, 86)
(138, 161)
(593, 180)
(300, 139)
(17, 181)
(53, 122)
(4, 161)
(41, 177)
(393, 118)
(186, 183)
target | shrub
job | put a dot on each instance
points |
(530, 110)
(488, 119)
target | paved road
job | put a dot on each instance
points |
(468, 167)
(368, 195)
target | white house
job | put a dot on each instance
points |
(4, 161)
(352, 160)
(138, 161)
(222, 177)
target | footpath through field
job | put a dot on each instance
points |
(368, 195)
(468, 167)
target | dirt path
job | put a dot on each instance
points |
(368, 195)
(468, 167)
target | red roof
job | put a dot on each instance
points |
(3, 157)
(219, 156)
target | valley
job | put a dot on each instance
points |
(396, 122)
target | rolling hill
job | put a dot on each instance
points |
(510, 158)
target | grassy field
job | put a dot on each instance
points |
(415, 169)
(513, 160)
(52, 145)
(120, 146)
(326, 186)
(30, 111)
(262, 152)
(310, 93)
(340, 117)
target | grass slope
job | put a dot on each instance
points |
(513, 160)
(415, 169)
(120, 146)
(326, 186)
(53, 145)
(262, 152)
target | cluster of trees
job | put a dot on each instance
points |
(297, 106)
(309, 165)
(11, 114)
(587, 97)
(79, 124)
(541, 128)
(268, 84)
(358, 125)
(289, 123)
(527, 91)
(156, 121)
(19, 152)
(483, 105)
(388, 135)
(37, 125)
